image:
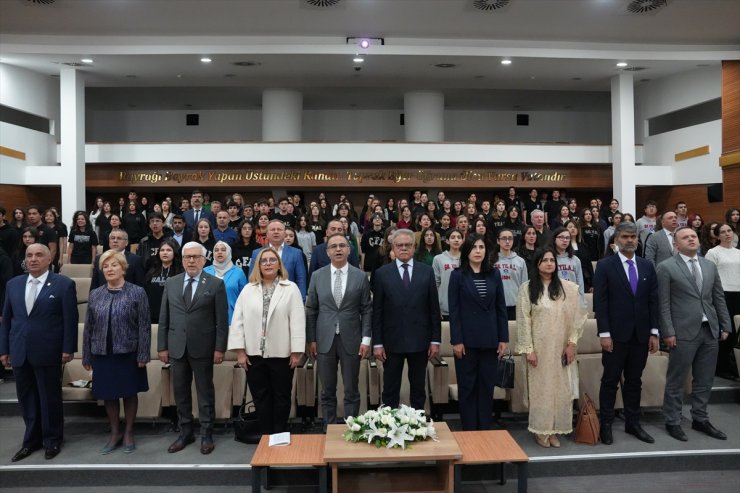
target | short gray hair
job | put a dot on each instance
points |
(195, 244)
(536, 211)
(402, 232)
(625, 227)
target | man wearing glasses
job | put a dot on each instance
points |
(193, 331)
(338, 327)
(406, 320)
(118, 241)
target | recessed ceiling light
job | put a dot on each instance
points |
(205, 59)
(621, 64)
(445, 65)
(358, 59)
(505, 61)
(179, 76)
(247, 64)
(87, 60)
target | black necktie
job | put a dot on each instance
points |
(187, 296)
(406, 277)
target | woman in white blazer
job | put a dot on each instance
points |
(268, 334)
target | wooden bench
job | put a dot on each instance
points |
(490, 447)
(306, 451)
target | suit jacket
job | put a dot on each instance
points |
(620, 312)
(474, 322)
(681, 303)
(189, 216)
(201, 329)
(39, 337)
(134, 273)
(354, 316)
(405, 320)
(319, 258)
(293, 261)
(658, 248)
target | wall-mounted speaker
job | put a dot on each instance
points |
(192, 119)
(714, 193)
(522, 120)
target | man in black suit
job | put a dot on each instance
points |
(118, 241)
(406, 320)
(38, 334)
(627, 316)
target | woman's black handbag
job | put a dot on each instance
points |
(246, 424)
(505, 372)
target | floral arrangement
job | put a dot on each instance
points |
(390, 428)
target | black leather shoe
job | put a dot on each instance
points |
(677, 432)
(206, 445)
(23, 453)
(639, 433)
(706, 427)
(52, 452)
(180, 443)
(606, 434)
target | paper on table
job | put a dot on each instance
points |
(279, 439)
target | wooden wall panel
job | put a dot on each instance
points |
(731, 181)
(695, 197)
(730, 106)
(12, 196)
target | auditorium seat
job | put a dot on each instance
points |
(74, 370)
(589, 300)
(223, 382)
(82, 286)
(77, 270)
(590, 368)
(150, 402)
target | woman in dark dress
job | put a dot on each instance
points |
(83, 241)
(116, 346)
(203, 234)
(166, 264)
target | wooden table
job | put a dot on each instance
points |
(303, 451)
(490, 447)
(377, 476)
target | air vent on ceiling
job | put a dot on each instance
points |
(42, 2)
(489, 5)
(645, 6)
(73, 64)
(633, 69)
(323, 3)
(247, 64)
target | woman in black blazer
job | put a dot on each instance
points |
(479, 331)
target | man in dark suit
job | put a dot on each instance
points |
(693, 319)
(197, 212)
(407, 325)
(627, 314)
(338, 326)
(38, 333)
(118, 240)
(659, 245)
(193, 331)
(320, 257)
(292, 257)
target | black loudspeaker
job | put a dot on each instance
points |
(192, 119)
(402, 119)
(714, 193)
(522, 120)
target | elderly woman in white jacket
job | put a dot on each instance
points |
(268, 334)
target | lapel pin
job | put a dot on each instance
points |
(48, 284)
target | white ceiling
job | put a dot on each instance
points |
(564, 46)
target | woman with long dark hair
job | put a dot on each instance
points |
(549, 319)
(29, 235)
(732, 217)
(428, 247)
(245, 245)
(317, 224)
(390, 212)
(203, 234)
(83, 241)
(166, 264)
(479, 331)
(529, 246)
(590, 234)
(406, 220)
(19, 220)
(514, 224)
(707, 238)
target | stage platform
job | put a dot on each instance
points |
(701, 464)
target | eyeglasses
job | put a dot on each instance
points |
(565, 238)
(403, 246)
(268, 260)
(337, 246)
(188, 258)
(115, 238)
(506, 238)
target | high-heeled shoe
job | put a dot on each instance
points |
(128, 448)
(554, 442)
(111, 446)
(542, 440)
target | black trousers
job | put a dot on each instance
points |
(476, 373)
(628, 358)
(270, 381)
(39, 390)
(393, 372)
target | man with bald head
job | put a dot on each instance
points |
(659, 245)
(38, 334)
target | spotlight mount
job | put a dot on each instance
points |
(364, 42)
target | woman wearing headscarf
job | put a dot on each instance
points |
(232, 276)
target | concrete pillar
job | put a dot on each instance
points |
(424, 116)
(282, 115)
(623, 143)
(72, 141)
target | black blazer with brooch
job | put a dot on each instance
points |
(474, 322)
(405, 320)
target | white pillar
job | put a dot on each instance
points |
(623, 143)
(72, 141)
(424, 116)
(282, 115)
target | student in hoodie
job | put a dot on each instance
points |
(443, 265)
(512, 267)
(569, 266)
